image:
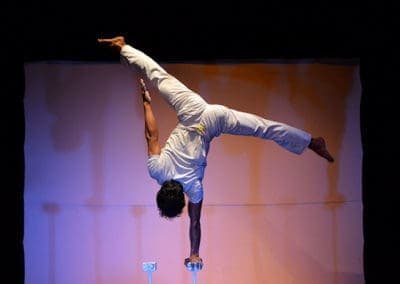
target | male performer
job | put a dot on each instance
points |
(179, 166)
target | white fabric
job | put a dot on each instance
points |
(184, 156)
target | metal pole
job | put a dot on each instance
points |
(149, 267)
(194, 277)
(194, 267)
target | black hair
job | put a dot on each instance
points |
(170, 199)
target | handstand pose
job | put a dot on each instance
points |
(179, 166)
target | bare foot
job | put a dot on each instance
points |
(115, 42)
(318, 145)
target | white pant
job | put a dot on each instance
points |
(192, 109)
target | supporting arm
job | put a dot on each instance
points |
(194, 210)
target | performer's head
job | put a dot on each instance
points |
(170, 199)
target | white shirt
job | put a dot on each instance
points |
(183, 158)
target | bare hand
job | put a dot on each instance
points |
(193, 259)
(145, 93)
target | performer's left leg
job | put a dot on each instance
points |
(188, 104)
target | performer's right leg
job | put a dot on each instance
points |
(219, 119)
(186, 103)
